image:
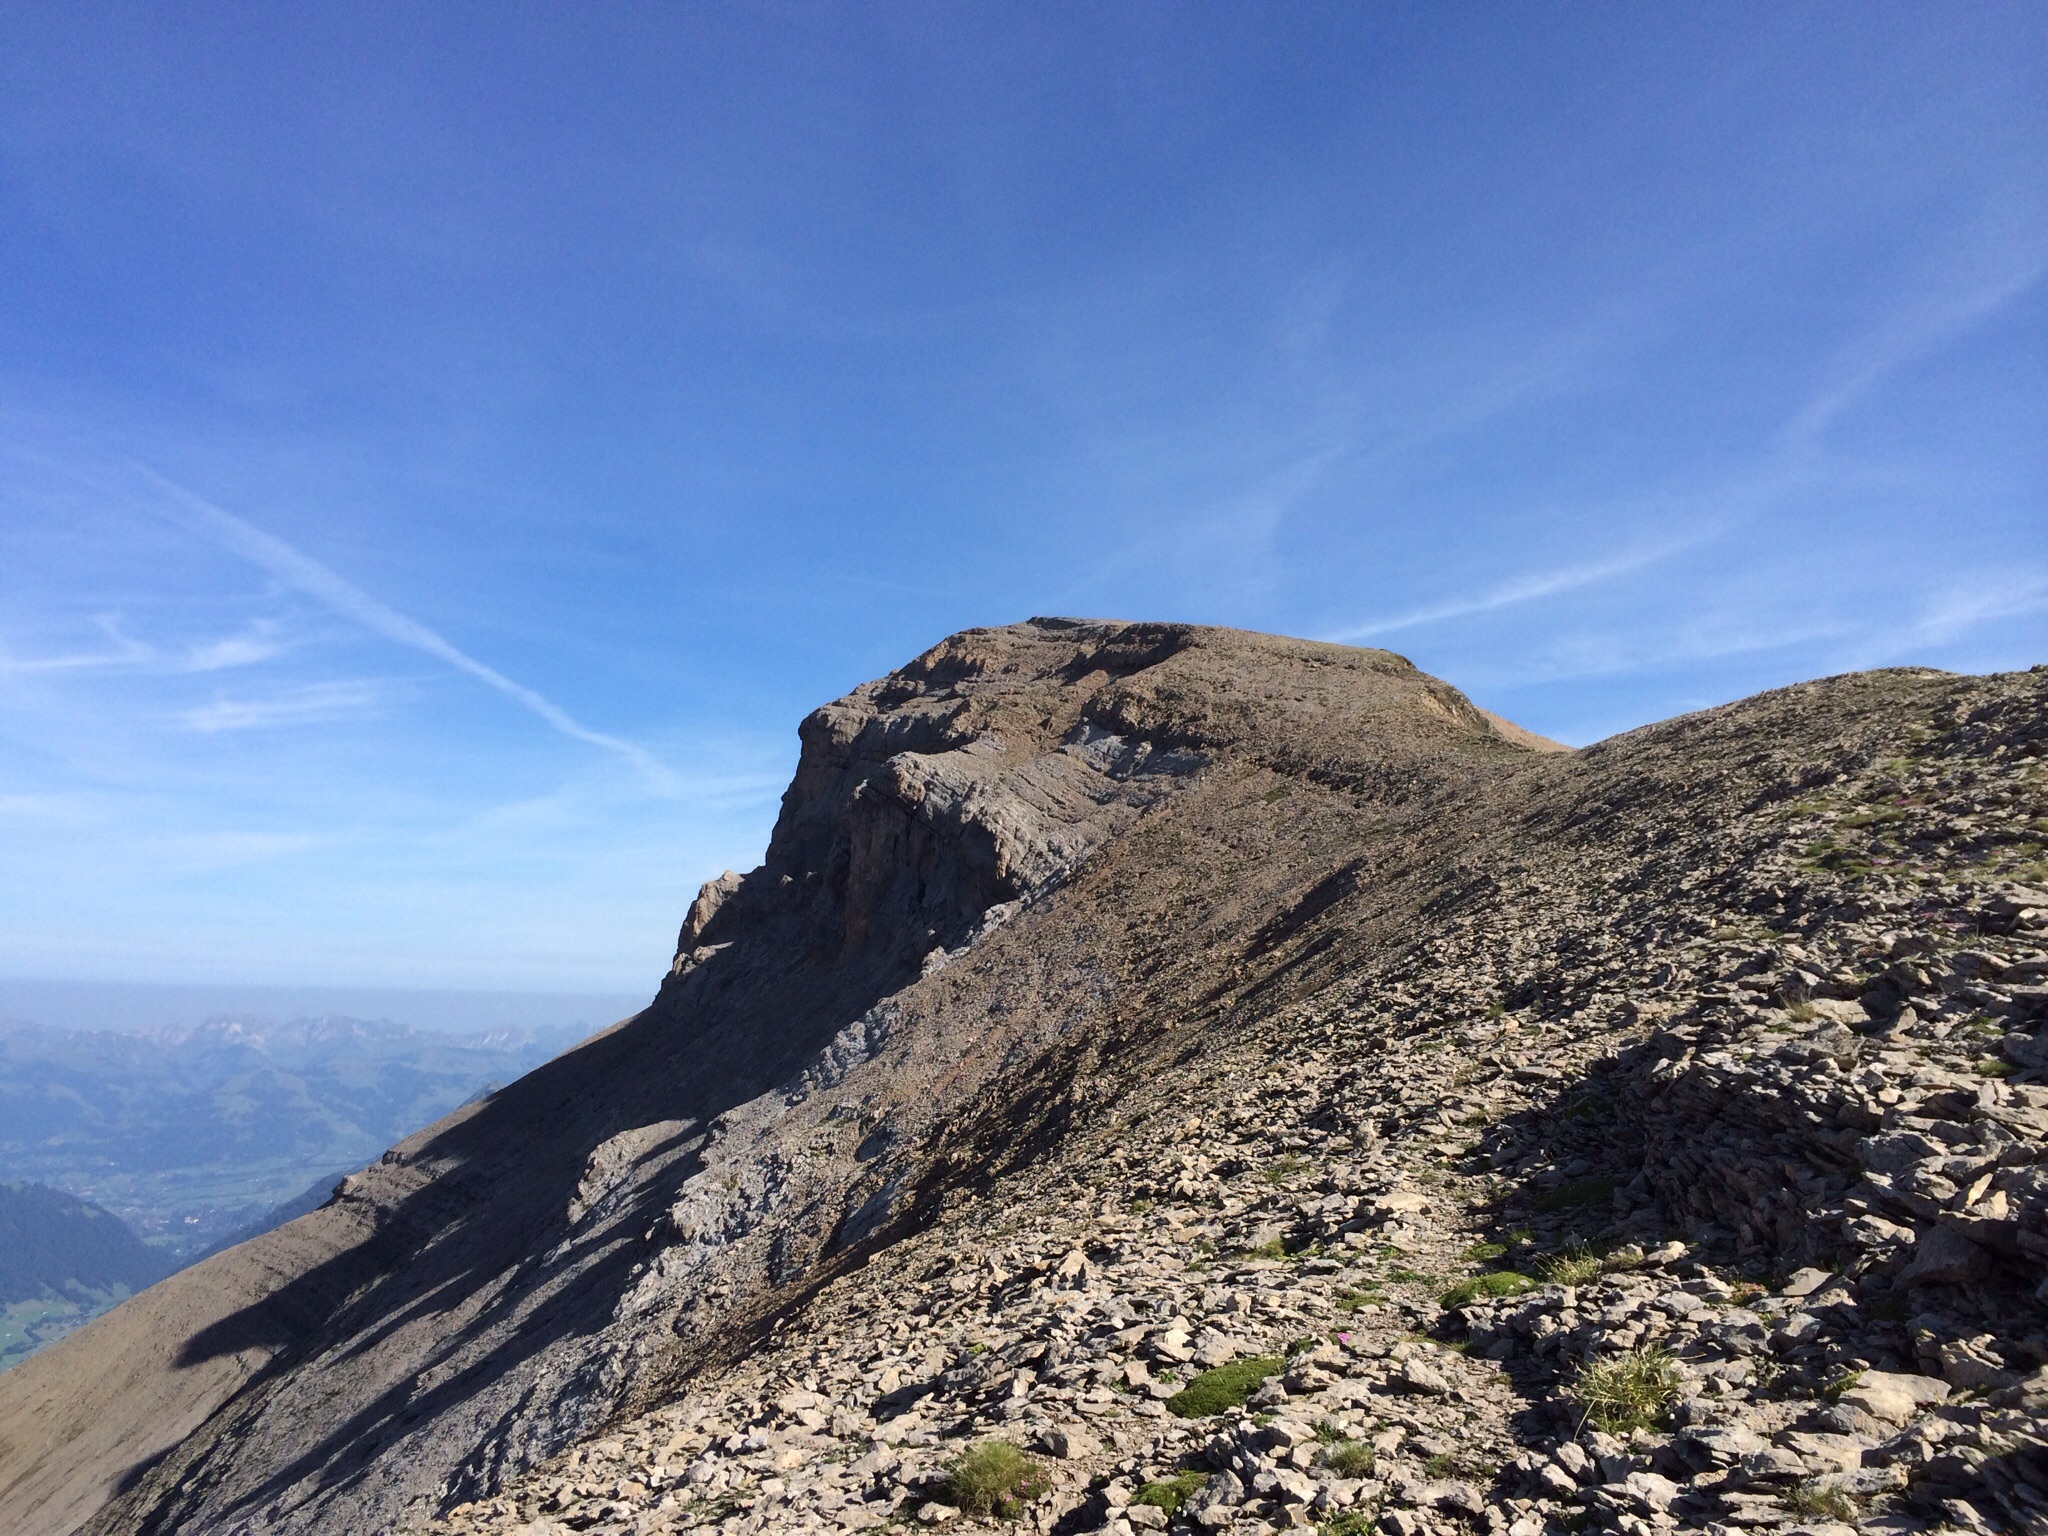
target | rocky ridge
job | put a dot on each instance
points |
(1542, 1141)
(933, 950)
(1717, 1056)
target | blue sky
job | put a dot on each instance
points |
(445, 449)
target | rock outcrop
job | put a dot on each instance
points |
(1643, 1138)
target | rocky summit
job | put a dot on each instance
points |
(1165, 1078)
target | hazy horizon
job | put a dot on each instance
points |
(128, 1007)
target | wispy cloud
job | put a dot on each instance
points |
(307, 705)
(1955, 611)
(258, 643)
(39, 807)
(1915, 330)
(303, 573)
(120, 651)
(1226, 542)
(1718, 637)
(1848, 639)
(1788, 463)
(1527, 588)
(123, 652)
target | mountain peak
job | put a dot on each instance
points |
(1087, 957)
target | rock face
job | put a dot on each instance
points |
(1645, 1138)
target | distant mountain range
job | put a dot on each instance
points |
(195, 1136)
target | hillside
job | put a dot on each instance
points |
(193, 1135)
(61, 1262)
(1118, 1002)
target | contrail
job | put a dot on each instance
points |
(302, 572)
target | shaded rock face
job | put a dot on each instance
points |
(974, 777)
(904, 963)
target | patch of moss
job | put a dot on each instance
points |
(1224, 1388)
(1498, 1282)
(1170, 1493)
(1579, 1192)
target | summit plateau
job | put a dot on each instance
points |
(1169, 1078)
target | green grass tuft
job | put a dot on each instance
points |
(1630, 1392)
(1837, 1385)
(1480, 1253)
(1822, 1501)
(1350, 1458)
(994, 1478)
(1224, 1388)
(1576, 1267)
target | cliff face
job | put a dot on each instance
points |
(979, 775)
(504, 1280)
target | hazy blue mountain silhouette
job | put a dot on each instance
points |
(203, 1135)
(53, 1243)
